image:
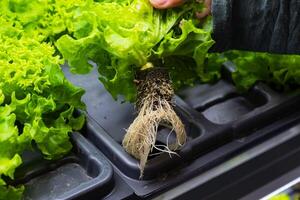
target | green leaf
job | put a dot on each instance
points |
(37, 102)
(251, 67)
(120, 46)
(11, 193)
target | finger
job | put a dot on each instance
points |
(208, 4)
(164, 4)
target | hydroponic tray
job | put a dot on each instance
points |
(83, 174)
(215, 115)
(236, 143)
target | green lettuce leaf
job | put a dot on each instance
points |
(11, 193)
(275, 69)
(37, 102)
(121, 46)
(185, 55)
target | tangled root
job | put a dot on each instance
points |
(155, 108)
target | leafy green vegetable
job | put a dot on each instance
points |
(40, 19)
(36, 101)
(122, 36)
(281, 70)
(11, 193)
(282, 196)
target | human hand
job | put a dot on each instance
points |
(164, 4)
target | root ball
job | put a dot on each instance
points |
(155, 107)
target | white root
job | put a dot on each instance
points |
(140, 138)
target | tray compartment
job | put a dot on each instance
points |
(83, 174)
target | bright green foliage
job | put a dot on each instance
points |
(119, 36)
(40, 19)
(122, 36)
(281, 70)
(11, 193)
(36, 101)
(282, 196)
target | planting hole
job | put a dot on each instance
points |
(234, 107)
(56, 182)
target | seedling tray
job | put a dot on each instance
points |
(213, 114)
(83, 174)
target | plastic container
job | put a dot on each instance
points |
(214, 116)
(83, 174)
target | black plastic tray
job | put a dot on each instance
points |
(83, 174)
(214, 115)
(256, 171)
